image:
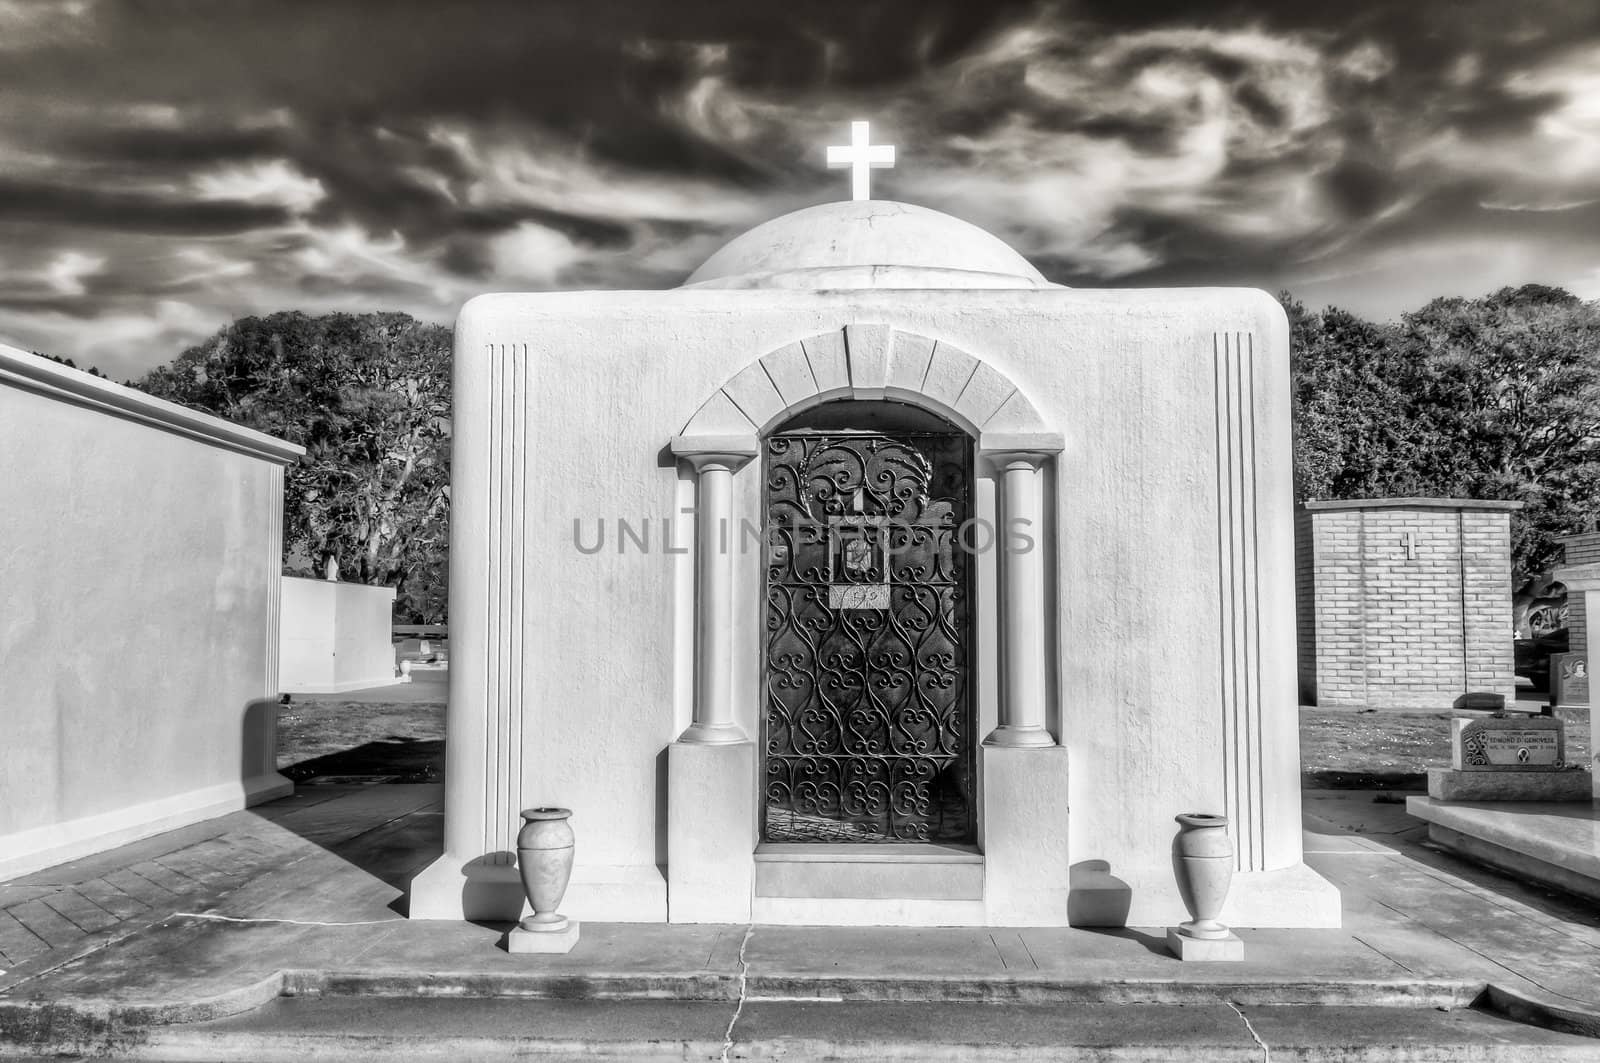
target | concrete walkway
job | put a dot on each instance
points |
(279, 933)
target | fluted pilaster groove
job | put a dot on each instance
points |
(505, 602)
(1238, 566)
(274, 582)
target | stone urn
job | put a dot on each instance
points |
(1202, 858)
(544, 860)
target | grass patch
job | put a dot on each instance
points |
(404, 742)
(1387, 750)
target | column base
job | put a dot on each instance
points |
(453, 888)
(702, 734)
(1019, 737)
(711, 831)
(1026, 873)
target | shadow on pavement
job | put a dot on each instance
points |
(395, 758)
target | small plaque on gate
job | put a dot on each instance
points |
(1533, 743)
(858, 596)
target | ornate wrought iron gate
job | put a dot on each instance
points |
(867, 734)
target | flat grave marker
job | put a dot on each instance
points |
(1505, 743)
(1508, 758)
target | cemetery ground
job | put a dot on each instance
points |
(396, 734)
(279, 933)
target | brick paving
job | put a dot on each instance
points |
(52, 916)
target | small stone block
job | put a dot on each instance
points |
(1447, 784)
(1187, 948)
(524, 941)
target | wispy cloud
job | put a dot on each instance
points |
(67, 272)
(27, 24)
(275, 182)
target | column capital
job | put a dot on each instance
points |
(1018, 449)
(716, 452)
(1012, 460)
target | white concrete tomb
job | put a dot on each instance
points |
(869, 532)
(140, 550)
(335, 636)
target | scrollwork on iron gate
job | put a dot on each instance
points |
(867, 724)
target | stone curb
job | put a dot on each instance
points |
(1543, 1009)
(99, 1027)
(1435, 993)
(166, 1044)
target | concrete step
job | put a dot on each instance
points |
(312, 1029)
(1548, 842)
(1032, 987)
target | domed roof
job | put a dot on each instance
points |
(872, 243)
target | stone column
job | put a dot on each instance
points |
(1021, 541)
(1025, 814)
(711, 768)
(715, 460)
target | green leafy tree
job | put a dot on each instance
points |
(93, 370)
(1494, 397)
(1515, 395)
(368, 396)
(1360, 431)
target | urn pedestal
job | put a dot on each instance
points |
(544, 863)
(1202, 860)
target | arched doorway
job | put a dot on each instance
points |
(868, 724)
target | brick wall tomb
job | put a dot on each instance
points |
(1403, 602)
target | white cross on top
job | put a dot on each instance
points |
(862, 158)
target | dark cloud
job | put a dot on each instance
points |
(1360, 187)
(192, 159)
(595, 232)
(162, 148)
(97, 208)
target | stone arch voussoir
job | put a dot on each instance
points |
(871, 361)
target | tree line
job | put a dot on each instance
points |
(368, 396)
(1492, 397)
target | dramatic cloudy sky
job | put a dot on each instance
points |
(168, 165)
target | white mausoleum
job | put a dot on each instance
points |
(868, 577)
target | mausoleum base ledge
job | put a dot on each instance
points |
(855, 852)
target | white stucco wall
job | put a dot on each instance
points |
(140, 550)
(1172, 673)
(336, 636)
